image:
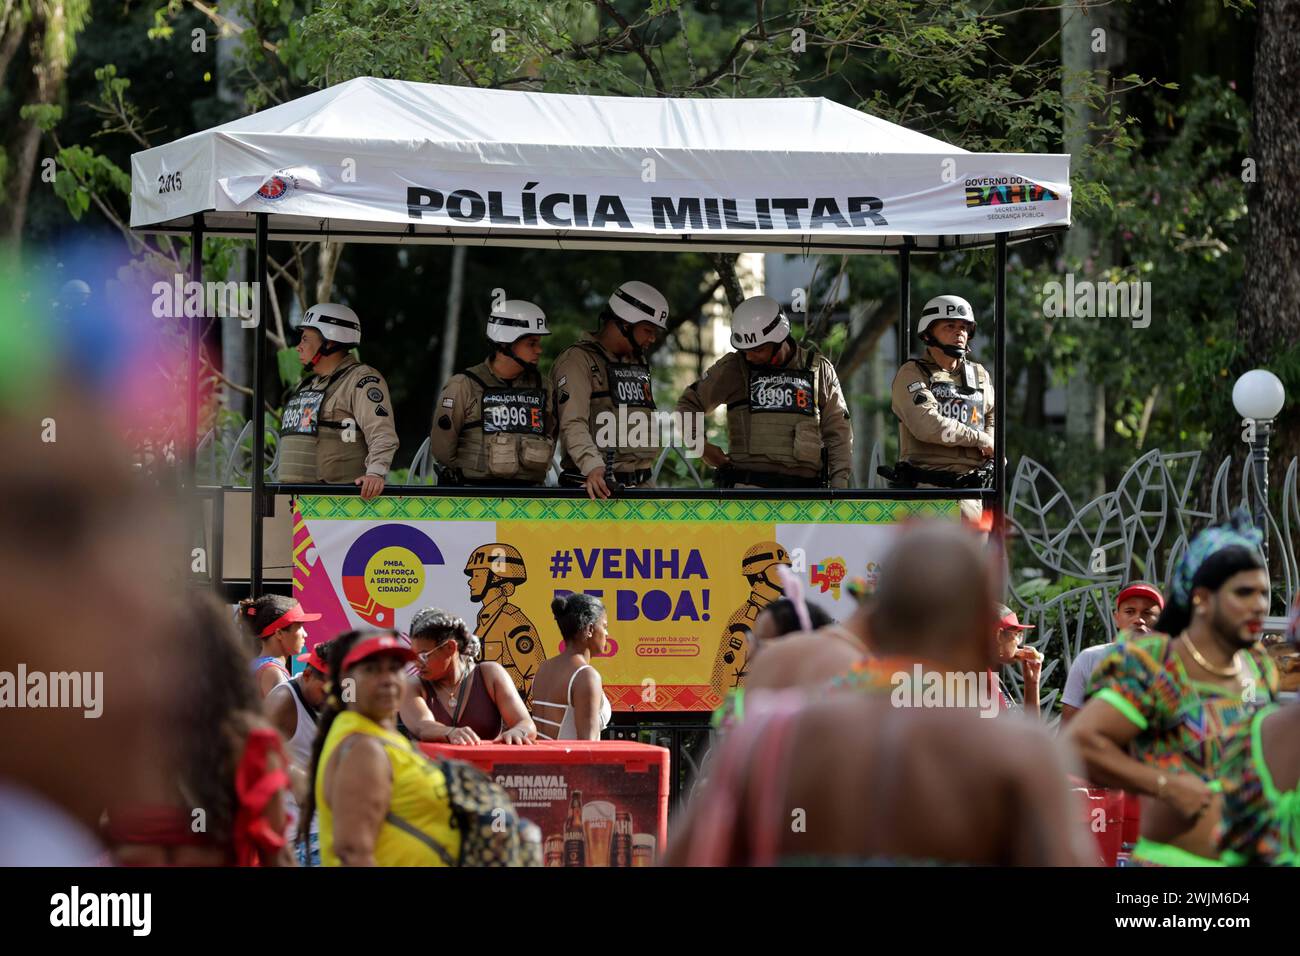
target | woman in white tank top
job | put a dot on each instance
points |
(291, 707)
(585, 710)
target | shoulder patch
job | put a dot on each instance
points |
(916, 386)
(918, 400)
(368, 380)
(375, 395)
(448, 403)
(564, 380)
(444, 423)
(381, 411)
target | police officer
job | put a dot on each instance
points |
(338, 424)
(495, 423)
(945, 408)
(508, 635)
(603, 387)
(786, 418)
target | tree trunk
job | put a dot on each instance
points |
(49, 46)
(451, 324)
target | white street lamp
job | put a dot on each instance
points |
(1258, 396)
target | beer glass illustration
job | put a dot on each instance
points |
(643, 849)
(598, 828)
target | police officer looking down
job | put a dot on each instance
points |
(495, 423)
(603, 387)
(945, 408)
(338, 424)
(787, 421)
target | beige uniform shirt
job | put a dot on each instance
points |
(462, 401)
(575, 375)
(361, 394)
(727, 383)
(928, 437)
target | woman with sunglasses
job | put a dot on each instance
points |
(455, 698)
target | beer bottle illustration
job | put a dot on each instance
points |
(575, 850)
(622, 852)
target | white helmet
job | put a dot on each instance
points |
(335, 323)
(943, 308)
(639, 302)
(757, 321)
(514, 319)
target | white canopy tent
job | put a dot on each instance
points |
(375, 160)
(389, 160)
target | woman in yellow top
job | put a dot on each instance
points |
(381, 802)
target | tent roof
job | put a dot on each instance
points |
(666, 173)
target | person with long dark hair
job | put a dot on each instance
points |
(455, 697)
(570, 676)
(380, 801)
(1165, 709)
(276, 624)
(232, 778)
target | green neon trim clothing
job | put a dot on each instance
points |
(1261, 824)
(1121, 704)
(1150, 853)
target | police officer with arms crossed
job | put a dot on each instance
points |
(495, 423)
(602, 384)
(338, 424)
(787, 421)
(945, 408)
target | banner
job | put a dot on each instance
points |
(682, 580)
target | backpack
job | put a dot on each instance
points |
(491, 832)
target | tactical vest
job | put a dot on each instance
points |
(312, 448)
(628, 387)
(964, 400)
(779, 420)
(508, 440)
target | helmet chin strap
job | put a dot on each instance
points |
(954, 351)
(626, 328)
(508, 349)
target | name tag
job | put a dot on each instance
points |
(630, 385)
(302, 413)
(789, 392)
(517, 411)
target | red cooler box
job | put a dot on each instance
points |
(616, 792)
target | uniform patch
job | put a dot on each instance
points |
(564, 380)
(448, 403)
(368, 380)
(920, 399)
(381, 411)
(444, 423)
(564, 397)
(916, 386)
(375, 395)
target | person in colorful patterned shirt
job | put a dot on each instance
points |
(1167, 709)
(1261, 786)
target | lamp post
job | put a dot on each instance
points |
(1258, 396)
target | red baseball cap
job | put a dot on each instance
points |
(1140, 589)
(294, 615)
(313, 660)
(381, 645)
(1007, 618)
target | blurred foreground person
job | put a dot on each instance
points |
(1167, 709)
(88, 703)
(227, 806)
(893, 774)
(1261, 786)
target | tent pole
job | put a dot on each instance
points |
(259, 402)
(904, 304)
(1000, 384)
(192, 372)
